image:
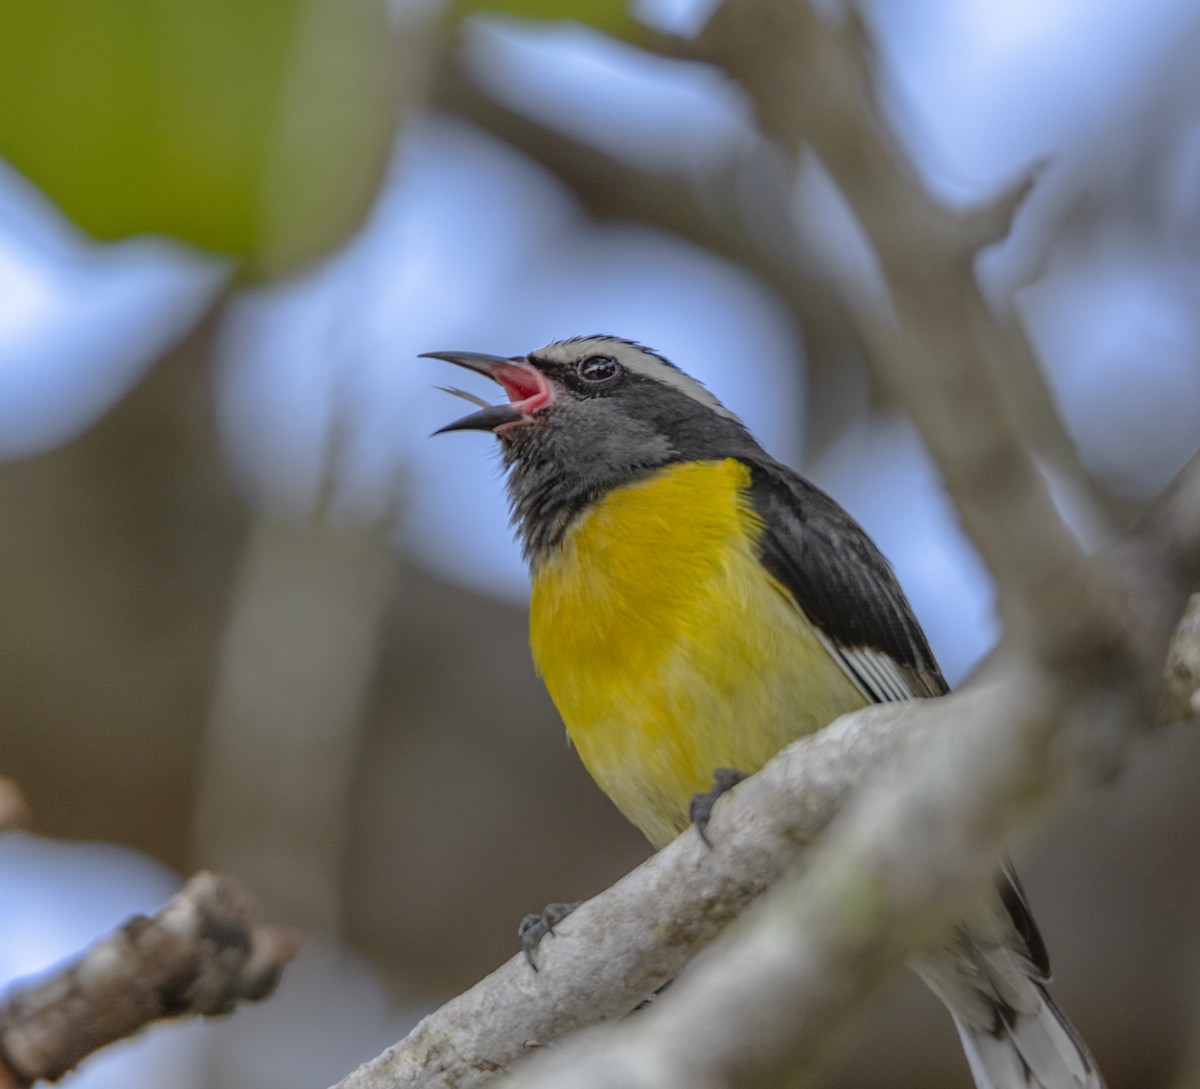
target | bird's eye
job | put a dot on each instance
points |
(599, 368)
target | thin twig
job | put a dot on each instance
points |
(205, 952)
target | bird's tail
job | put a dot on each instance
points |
(1013, 1034)
(1039, 1048)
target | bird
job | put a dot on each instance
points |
(695, 606)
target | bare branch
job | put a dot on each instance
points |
(993, 221)
(900, 865)
(810, 81)
(205, 952)
(619, 947)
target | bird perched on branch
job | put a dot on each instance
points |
(696, 606)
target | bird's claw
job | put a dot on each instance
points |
(535, 926)
(701, 807)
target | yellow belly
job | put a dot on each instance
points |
(668, 649)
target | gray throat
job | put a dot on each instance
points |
(546, 496)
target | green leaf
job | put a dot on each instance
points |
(258, 128)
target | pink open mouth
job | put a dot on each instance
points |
(526, 386)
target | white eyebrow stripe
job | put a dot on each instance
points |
(633, 357)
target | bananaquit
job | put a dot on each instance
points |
(696, 605)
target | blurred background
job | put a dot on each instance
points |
(253, 618)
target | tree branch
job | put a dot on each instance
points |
(902, 864)
(202, 954)
(619, 947)
(810, 82)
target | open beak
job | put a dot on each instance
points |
(525, 385)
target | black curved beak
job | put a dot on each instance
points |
(479, 362)
(521, 382)
(486, 419)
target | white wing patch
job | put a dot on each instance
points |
(877, 675)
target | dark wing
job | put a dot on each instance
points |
(1017, 906)
(842, 583)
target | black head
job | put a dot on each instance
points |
(589, 414)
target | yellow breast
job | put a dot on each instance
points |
(667, 647)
